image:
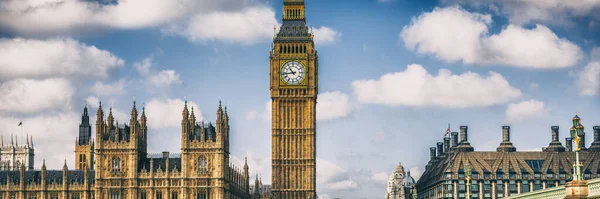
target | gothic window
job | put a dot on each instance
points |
(201, 195)
(158, 195)
(202, 164)
(143, 195)
(174, 195)
(53, 195)
(116, 164)
(114, 195)
(75, 196)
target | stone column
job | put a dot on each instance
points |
(577, 189)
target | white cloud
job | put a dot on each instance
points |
(525, 110)
(163, 78)
(534, 85)
(381, 178)
(51, 133)
(325, 35)
(416, 173)
(66, 16)
(167, 113)
(416, 87)
(116, 88)
(330, 106)
(453, 34)
(333, 105)
(343, 185)
(547, 11)
(31, 96)
(588, 79)
(65, 57)
(250, 25)
(334, 177)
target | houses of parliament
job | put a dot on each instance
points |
(115, 162)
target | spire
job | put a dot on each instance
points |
(134, 110)
(12, 142)
(143, 117)
(65, 165)
(245, 164)
(44, 164)
(31, 140)
(85, 110)
(110, 116)
(26, 139)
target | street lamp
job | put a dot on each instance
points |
(576, 132)
(468, 177)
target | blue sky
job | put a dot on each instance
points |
(393, 74)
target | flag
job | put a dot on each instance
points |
(20, 123)
(447, 130)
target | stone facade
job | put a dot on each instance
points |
(400, 184)
(123, 169)
(14, 155)
(506, 171)
(294, 90)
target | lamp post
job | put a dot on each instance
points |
(414, 192)
(576, 132)
(468, 177)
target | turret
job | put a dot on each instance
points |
(246, 176)
(44, 173)
(506, 145)
(65, 177)
(185, 133)
(256, 186)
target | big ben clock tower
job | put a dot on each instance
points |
(294, 89)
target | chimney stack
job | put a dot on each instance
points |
(569, 144)
(446, 145)
(454, 139)
(596, 144)
(440, 149)
(506, 145)
(432, 153)
(463, 134)
(464, 145)
(165, 154)
(555, 145)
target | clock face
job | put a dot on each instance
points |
(293, 72)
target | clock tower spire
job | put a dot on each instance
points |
(293, 90)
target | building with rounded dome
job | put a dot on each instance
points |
(399, 184)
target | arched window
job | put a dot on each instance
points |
(202, 164)
(116, 164)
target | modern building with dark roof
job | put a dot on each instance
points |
(506, 171)
(117, 165)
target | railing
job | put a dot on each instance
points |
(559, 192)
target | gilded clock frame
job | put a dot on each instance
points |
(304, 81)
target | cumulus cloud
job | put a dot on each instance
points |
(525, 110)
(333, 105)
(416, 172)
(51, 133)
(162, 78)
(416, 87)
(453, 34)
(330, 106)
(547, 11)
(31, 96)
(162, 113)
(249, 25)
(381, 178)
(325, 35)
(116, 88)
(64, 57)
(588, 80)
(334, 177)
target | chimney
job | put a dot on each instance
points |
(432, 153)
(555, 145)
(506, 145)
(165, 154)
(569, 144)
(440, 149)
(454, 139)
(464, 145)
(446, 145)
(463, 134)
(596, 144)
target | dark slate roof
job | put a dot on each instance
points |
(174, 163)
(51, 176)
(531, 162)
